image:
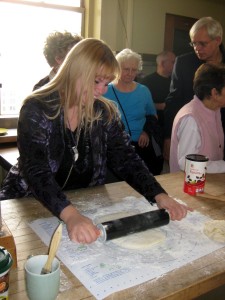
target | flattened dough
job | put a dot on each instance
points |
(215, 230)
(142, 240)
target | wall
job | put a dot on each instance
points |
(92, 18)
(149, 19)
(140, 24)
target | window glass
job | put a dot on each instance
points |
(23, 30)
(75, 3)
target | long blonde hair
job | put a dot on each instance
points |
(76, 77)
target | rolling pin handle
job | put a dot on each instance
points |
(102, 237)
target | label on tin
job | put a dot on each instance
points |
(195, 170)
(4, 286)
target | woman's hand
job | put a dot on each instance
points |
(143, 140)
(176, 210)
(80, 228)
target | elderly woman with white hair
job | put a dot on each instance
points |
(137, 109)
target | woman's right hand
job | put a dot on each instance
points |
(80, 228)
(143, 140)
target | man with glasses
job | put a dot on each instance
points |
(206, 39)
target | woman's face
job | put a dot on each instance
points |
(101, 86)
(220, 98)
(129, 70)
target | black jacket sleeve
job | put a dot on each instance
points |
(181, 88)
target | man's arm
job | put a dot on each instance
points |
(174, 99)
(172, 106)
(181, 92)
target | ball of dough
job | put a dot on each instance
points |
(142, 240)
(215, 230)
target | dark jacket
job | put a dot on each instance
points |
(42, 82)
(41, 145)
(181, 88)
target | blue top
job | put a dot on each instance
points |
(136, 105)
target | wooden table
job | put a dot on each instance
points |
(9, 137)
(187, 282)
(8, 149)
(8, 155)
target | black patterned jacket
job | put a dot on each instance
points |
(41, 146)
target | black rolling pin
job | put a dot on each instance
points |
(128, 225)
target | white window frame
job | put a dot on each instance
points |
(44, 4)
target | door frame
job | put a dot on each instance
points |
(172, 23)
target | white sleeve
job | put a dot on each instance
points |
(189, 139)
(190, 142)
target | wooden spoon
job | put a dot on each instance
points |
(52, 250)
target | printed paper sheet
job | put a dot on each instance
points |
(105, 268)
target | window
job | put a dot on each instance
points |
(24, 26)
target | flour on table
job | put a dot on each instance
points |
(142, 240)
(215, 230)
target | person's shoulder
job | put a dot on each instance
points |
(36, 103)
(141, 87)
(188, 57)
(148, 77)
(110, 86)
(189, 107)
(109, 94)
(41, 83)
(100, 104)
(31, 109)
(105, 106)
(143, 90)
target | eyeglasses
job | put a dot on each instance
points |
(201, 44)
(129, 70)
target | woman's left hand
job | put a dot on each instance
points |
(176, 210)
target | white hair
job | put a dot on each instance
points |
(126, 54)
(213, 27)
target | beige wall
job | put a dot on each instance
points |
(149, 19)
(92, 18)
(140, 24)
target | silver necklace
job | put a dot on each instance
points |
(75, 142)
(75, 151)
